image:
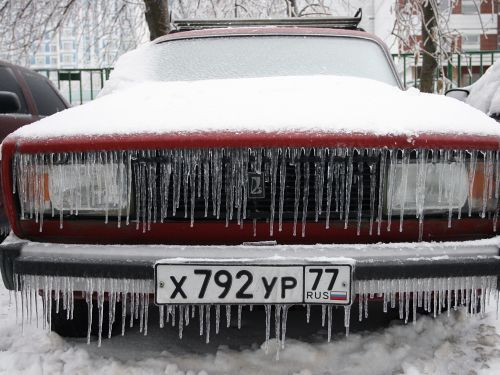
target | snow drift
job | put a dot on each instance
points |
(485, 92)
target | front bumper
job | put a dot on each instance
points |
(372, 262)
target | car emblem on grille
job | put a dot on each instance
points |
(256, 188)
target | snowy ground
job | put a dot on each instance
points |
(455, 345)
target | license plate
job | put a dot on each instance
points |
(253, 284)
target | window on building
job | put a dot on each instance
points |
(471, 42)
(8, 82)
(67, 59)
(47, 60)
(67, 31)
(470, 7)
(46, 100)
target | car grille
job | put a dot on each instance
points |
(239, 169)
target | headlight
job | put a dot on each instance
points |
(445, 186)
(92, 189)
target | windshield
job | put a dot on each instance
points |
(267, 56)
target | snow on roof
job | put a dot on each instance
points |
(485, 92)
(276, 104)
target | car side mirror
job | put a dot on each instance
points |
(9, 102)
(495, 116)
(459, 94)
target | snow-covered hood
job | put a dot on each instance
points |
(330, 104)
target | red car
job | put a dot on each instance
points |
(25, 97)
(233, 163)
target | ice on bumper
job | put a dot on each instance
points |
(433, 294)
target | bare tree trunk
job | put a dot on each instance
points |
(429, 63)
(292, 8)
(157, 18)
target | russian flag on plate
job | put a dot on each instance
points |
(338, 296)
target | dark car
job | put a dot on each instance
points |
(25, 97)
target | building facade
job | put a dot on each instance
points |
(93, 37)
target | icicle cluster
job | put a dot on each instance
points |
(433, 294)
(346, 185)
(61, 292)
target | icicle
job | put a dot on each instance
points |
(284, 318)
(274, 154)
(348, 185)
(347, 317)
(206, 178)
(88, 295)
(420, 190)
(240, 307)
(373, 186)
(181, 320)
(132, 304)
(323, 315)
(228, 316)
(329, 323)
(201, 310)
(268, 326)
(329, 186)
(319, 180)
(111, 307)
(472, 174)
(407, 301)
(172, 313)
(282, 188)
(217, 319)
(186, 176)
(207, 322)
(488, 180)
(339, 171)
(305, 199)
(161, 316)
(100, 308)
(359, 180)
(186, 314)
(296, 156)
(192, 183)
(404, 184)
(391, 181)
(308, 313)
(141, 312)
(165, 172)
(450, 187)
(277, 328)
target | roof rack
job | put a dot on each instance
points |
(350, 23)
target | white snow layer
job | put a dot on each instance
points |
(277, 105)
(455, 345)
(485, 92)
